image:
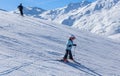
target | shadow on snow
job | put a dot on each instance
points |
(82, 68)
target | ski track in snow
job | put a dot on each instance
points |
(14, 69)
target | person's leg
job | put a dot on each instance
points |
(21, 12)
(70, 55)
(66, 54)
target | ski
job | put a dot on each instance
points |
(68, 61)
(61, 60)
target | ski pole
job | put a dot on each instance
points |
(74, 51)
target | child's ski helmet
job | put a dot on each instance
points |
(72, 37)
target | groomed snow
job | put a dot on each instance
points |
(30, 47)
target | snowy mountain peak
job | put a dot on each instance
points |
(74, 6)
(2, 10)
(100, 17)
(85, 2)
(33, 11)
(106, 4)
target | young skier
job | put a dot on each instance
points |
(68, 48)
(20, 7)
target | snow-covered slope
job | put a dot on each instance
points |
(29, 47)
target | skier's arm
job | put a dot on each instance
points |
(74, 45)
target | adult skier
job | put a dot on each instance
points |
(20, 7)
(68, 48)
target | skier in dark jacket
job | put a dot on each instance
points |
(20, 7)
(68, 48)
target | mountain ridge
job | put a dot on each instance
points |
(97, 17)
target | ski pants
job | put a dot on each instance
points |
(21, 12)
(68, 52)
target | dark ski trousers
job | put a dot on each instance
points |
(68, 52)
(21, 12)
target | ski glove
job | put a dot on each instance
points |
(69, 45)
(74, 45)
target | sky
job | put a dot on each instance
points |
(10, 5)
